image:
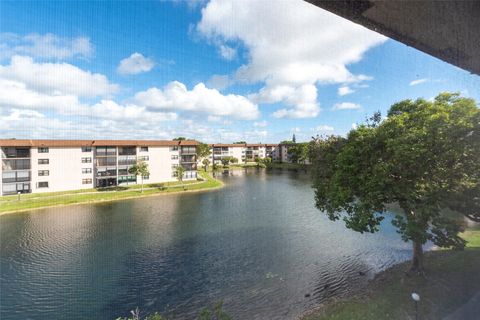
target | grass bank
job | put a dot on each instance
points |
(452, 278)
(290, 166)
(10, 204)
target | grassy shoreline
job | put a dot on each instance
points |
(452, 279)
(36, 201)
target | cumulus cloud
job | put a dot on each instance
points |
(135, 64)
(56, 78)
(346, 106)
(176, 96)
(260, 124)
(344, 90)
(324, 127)
(228, 53)
(292, 45)
(44, 46)
(418, 81)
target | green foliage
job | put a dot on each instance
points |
(179, 139)
(217, 313)
(203, 150)
(233, 160)
(140, 169)
(179, 171)
(287, 142)
(424, 156)
(240, 142)
(298, 153)
(205, 163)
(226, 161)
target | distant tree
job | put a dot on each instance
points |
(240, 142)
(140, 169)
(287, 142)
(225, 161)
(233, 160)
(179, 171)
(203, 150)
(298, 153)
(205, 163)
(294, 140)
(179, 139)
(424, 157)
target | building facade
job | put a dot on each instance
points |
(244, 152)
(30, 166)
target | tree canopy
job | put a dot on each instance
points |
(424, 157)
(298, 153)
(140, 169)
(203, 150)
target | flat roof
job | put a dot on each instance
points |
(93, 143)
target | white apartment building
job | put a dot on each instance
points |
(244, 152)
(62, 165)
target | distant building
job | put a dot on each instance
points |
(61, 165)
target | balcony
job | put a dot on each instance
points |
(15, 153)
(189, 159)
(127, 151)
(189, 150)
(106, 161)
(19, 164)
(17, 176)
(126, 162)
(106, 173)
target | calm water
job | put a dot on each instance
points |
(258, 244)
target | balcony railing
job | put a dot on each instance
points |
(127, 162)
(19, 164)
(15, 153)
(188, 150)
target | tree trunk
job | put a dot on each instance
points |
(417, 260)
(142, 185)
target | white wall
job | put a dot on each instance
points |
(65, 169)
(160, 163)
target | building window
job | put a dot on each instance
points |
(146, 177)
(143, 158)
(86, 181)
(174, 157)
(43, 161)
(144, 149)
(42, 173)
(86, 149)
(86, 160)
(174, 148)
(175, 166)
(42, 184)
(42, 150)
(86, 170)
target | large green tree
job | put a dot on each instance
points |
(140, 169)
(203, 150)
(298, 153)
(425, 157)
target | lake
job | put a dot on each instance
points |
(259, 244)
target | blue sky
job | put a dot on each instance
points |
(217, 71)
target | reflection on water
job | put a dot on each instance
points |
(258, 244)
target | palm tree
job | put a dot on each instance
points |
(140, 169)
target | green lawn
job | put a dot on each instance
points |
(452, 278)
(39, 200)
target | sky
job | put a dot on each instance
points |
(215, 71)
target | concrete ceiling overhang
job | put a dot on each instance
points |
(446, 29)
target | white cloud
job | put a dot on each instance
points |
(228, 53)
(176, 96)
(290, 44)
(354, 126)
(219, 82)
(260, 124)
(44, 46)
(109, 109)
(56, 78)
(214, 119)
(135, 64)
(418, 81)
(344, 90)
(324, 127)
(346, 106)
(16, 94)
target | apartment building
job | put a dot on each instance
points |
(62, 165)
(244, 152)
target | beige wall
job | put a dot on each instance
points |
(65, 169)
